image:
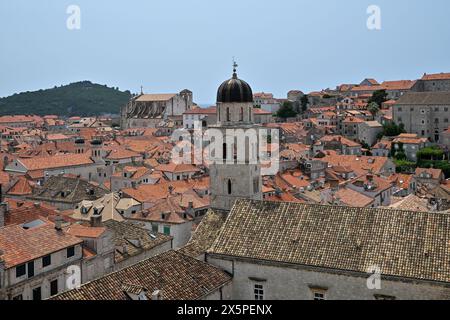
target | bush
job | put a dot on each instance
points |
(404, 166)
(430, 153)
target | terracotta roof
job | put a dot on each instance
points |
(118, 153)
(177, 276)
(81, 231)
(155, 97)
(353, 198)
(27, 212)
(411, 203)
(436, 76)
(177, 168)
(358, 164)
(22, 187)
(210, 110)
(58, 161)
(435, 173)
(403, 244)
(20, 245)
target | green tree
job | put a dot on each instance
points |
(373, 108)
(378, 97)
(304, 103)
(286, 110)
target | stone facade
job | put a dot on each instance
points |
(425, 114)
(288, 282)
(148, 110)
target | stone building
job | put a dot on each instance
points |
(233, 175)
(426, 114)
(34, 260)
(294, 251)
(148, 110)
(433, 83)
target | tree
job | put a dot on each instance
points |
(286, 110)
(373, 108)
(304, 103)
(393, 130)
(378, 97)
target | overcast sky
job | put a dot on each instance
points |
(169, 45)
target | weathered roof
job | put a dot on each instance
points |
(134, 238)
(425, 98)
(177, 276)
(74, 189)
(205, 234)
(403, 244)
(20, 245)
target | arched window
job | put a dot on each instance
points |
(228, 114)
(229, 186)
(224, 151)
(247, 149)
(241, 115)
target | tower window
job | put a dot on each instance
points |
(228, 114)
(229, 186)
(224, 151)
(241, 115)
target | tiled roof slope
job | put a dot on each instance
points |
(404, 244)
(74, 188)
(177, 276)
(20, 245)
(135, 239)
(205, 234)
(425, 98)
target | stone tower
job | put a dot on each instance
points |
(235, 173)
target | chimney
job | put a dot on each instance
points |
(96, 220)
(156, 295)
(58, 222)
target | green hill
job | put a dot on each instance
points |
(81, 98)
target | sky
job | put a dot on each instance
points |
(170, 45)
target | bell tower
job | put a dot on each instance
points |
(236, 171)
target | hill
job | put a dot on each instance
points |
(81, 98)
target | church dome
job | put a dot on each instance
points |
(234, 90)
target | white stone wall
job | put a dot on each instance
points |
(43, 276)
(289, 283)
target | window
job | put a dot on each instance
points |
(258, 292)
(37, 293)
(21, 270)
(155, 228)
(319, 296)
(167, 230)
(383, 297)
(228, 114)
(224, 151)
(46, 261)
(30, 269)
(229, 186)
(54, 287)
(70, 252)
(241, 115)
(318, 293)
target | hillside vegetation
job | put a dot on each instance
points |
(81, 98)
